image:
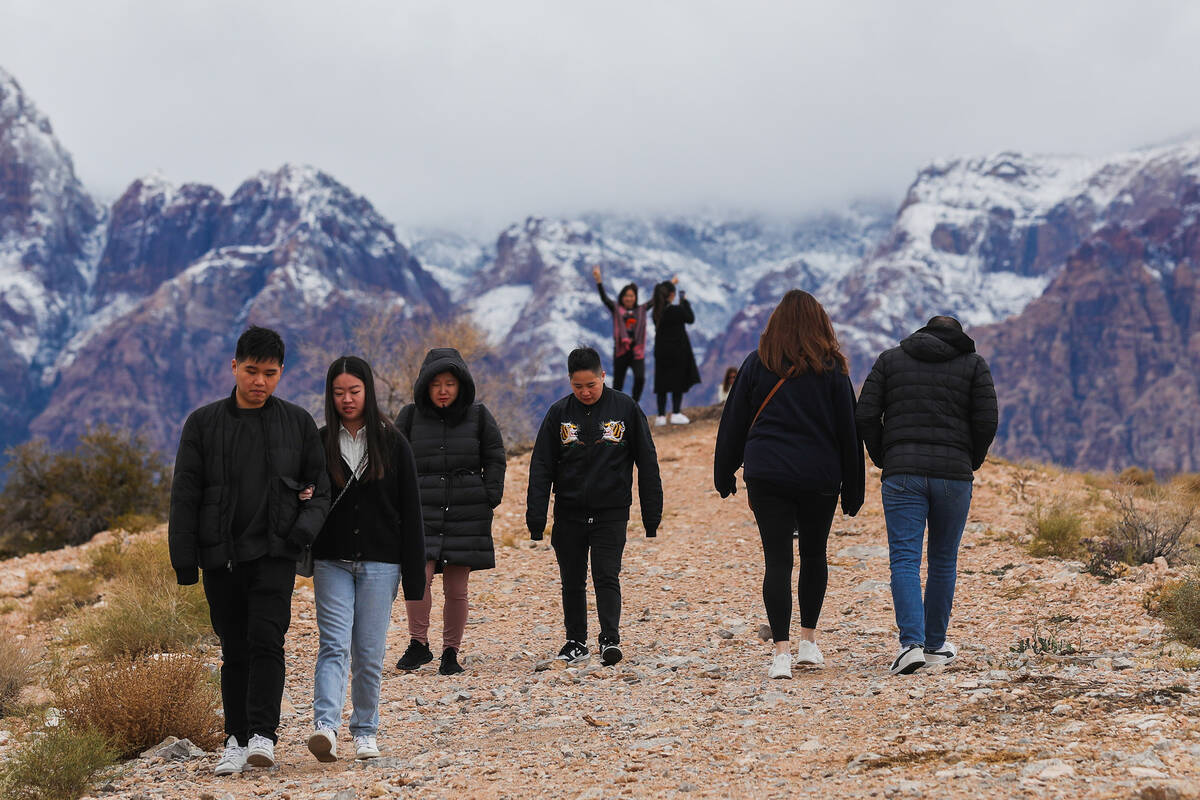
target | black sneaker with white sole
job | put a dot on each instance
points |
(574, 652)
(610, 653)
(911, 659)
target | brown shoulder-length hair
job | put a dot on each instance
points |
(799, 338)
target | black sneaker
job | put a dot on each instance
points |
(610, 654)
(449, 665)
(418, 653)
(574, 652)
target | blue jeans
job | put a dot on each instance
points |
(354, 609)
(908, 501)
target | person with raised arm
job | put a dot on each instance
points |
(629, 334)
(675, 368)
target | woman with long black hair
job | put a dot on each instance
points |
(629, 334)
(789, 419)
(674, 364)
(372, 541)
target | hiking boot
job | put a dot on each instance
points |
(233, 760)
(910, 659)
(366, 747)
(418, 653)
(807, 653)
(323, 744)
(781, 666)
(574, 652)
(943, 655)
(261, 752)
(449, 665)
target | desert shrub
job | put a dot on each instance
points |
(1056, 530)
(1179, 606)
(139, 704)
(58, 763)
(107, 559)
(16, 672)
(1143, 529)
(55, 499)
(72, 589)
(1187, 484)
(146, 618)
(1136, 476)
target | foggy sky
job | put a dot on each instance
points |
(475, 114)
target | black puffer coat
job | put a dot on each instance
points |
(674, 363)
(460, 464)
(929, 407)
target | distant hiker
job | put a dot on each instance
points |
(460, 460)
(790, 419)
(586, 449)
(237, 513)
(674, 365)
(927, 413)
(726, 384)
(372, 540)
(629, 334)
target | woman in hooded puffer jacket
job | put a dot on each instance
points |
(460, 468)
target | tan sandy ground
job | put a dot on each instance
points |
(690, 712)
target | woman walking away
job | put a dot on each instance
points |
(674, 365)
(629, 335)
(790, 419)
(460, 460)
(372, 541)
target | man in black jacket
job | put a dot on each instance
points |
(586, 449)
(927, 413)
(237, 513)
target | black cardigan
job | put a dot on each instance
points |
(379, 520)
(805, 440)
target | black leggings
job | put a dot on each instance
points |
(638, 365)
(676, 403)
(780, 512)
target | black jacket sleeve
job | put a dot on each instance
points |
(604, 298)
(541, 476)
(686, 316)
(650, 491)
(869, 414)
(736, 417)
(984, 414)
(412, 525)
(187, 489)
(404, 419)
(491, 452)
(854, 468)
(312, 471)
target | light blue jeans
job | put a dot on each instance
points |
(354, 609)
(908, 502)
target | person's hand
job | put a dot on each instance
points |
(674, 279)
(596, 274)
(537, 529)
(307, 493)
(727, 487)
(651, 532)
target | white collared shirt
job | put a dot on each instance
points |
(354, 447)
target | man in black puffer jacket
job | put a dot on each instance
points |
(927, 413)
(236, 512)
(586, 449)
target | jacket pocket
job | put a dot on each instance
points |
(208, 526)
(287, 505)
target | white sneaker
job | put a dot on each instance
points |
(261, 752)
(660, 421)
(911, 659)
(366, 747)
(323, 744)
(679, 419)
(233, 760)
(808, 653)
(781, 666)
(943, 655)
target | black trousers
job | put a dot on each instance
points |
(779, 513)
(638, 365)
(251, 608)
(676, 403)
(606, 541)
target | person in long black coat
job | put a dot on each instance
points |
(460, 464)
(675, 368)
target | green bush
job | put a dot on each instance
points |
(1057, 530)
(16, 672)
(1179, 606)
(55, 499)
(59, 763)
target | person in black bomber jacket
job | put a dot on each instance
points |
(586, 449)
(237, 514)
(927, 413)
(789, 418)
(461, 463)
(372, 542)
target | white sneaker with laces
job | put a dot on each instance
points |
(261, 752)
(233, 760)
(323, 744)
(660, 421)
(943, 655)
(910, 659)
(808, 653)
(679, 419)
(781, 666)
(366, 747)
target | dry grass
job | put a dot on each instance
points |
(72, 589)
(16, 672)
(143, 702)
(1179, 606)
(1056, 530)
(59, 763)
(1136, 476)
(106, 560)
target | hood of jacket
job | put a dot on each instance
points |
(937, 344)
(437, 361)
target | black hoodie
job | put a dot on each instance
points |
(929, 407)
(460, 464)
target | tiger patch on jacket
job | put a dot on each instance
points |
(568, 433)
(613, 431)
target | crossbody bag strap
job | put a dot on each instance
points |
(353, 477)
(764, 402)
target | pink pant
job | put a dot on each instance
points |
(454, 612)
